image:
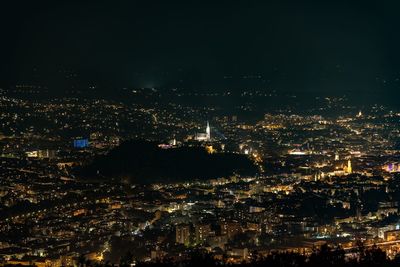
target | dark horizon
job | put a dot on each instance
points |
(295, 46)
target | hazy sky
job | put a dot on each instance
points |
(295, 45)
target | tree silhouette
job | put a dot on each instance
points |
(325, 256)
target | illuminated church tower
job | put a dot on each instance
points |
(349, 167)
(208, 132)
(204, 136)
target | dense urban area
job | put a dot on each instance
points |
(326, 173)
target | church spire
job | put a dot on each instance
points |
(208, 132)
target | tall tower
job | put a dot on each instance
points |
(208, 132)
(349, 167)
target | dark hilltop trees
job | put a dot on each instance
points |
(144, 162)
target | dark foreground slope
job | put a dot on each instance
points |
(144, 162)
(324, 256)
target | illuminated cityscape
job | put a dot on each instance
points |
(172, 150)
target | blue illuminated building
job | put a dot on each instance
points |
(81, 143)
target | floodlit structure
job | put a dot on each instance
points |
(204, 136)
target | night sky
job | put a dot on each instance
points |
(319, 46)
